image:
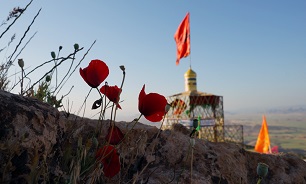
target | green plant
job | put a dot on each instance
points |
(3, 78)
(262, 171)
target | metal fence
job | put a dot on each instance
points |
(226, 133)
(234, 133)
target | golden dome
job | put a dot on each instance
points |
(190, 73)
(190, 80)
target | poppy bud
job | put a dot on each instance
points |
(122, 67)
(262, 169)
(76, 46)
(53, 55)
(21, 63)
(48, 78)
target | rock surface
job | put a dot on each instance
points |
(40, 144)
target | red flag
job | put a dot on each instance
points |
(263, 140)
(182, 39)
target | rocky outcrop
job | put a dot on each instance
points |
(39, 144)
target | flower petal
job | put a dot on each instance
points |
(141, 96)
(112, 93)
(84, 76)
(110, 160)
(96, 72)
(158, 116)
(111, 167)
(114, 135)
(152, 105)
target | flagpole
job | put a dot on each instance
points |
(270, 150)
(189, 42)
(190, 61)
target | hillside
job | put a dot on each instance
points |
(39, 144)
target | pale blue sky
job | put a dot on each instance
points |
(253, 53)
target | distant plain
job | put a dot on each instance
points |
(287, 130)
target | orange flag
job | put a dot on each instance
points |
(263, 140)
(182, 39)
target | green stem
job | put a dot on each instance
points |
(22, 71)
(125, 135)
(101, 114)
(122, 80)
(160, 127)
(84, 103)
(191, 164)
(56, 84)
(119, 96)
(111, 124)
(188, 152)
(115, 113)
(259, 181)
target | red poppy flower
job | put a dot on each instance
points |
(151, 105)
(110, 159)
(114, 135)
(112, 93)
(95, 73)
